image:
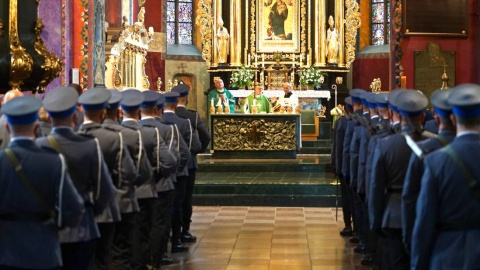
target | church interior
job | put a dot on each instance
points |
(265, 196)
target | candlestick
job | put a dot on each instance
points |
(403, 82)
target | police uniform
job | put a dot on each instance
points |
(347, 157)
(186, 131)
(89, 174)
(200, 134)
(123, 238)
(165, 188)
(337, 154)
(391, 162)
(162, 162)
(34, 207)
(411, 189)
(119, 163)
(432, 126)
(447, 227)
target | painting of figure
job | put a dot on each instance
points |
(278, 25)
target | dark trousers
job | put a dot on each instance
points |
(358, 216)
(104, 245)
(161, 224)
(397, 255)
(141, 234)
(177, 215)
(187, 202)
(346, 198)
(372, 240)
(122, 242)
(78, 256)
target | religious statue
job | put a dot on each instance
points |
(331, 42)
(376, 85)
(159, 83)
(222, 42)
(170, 85)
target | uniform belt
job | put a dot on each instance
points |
(459, 226)
(394, 189)
(28, 218)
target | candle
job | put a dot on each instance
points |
(75, 76)
(403, 82)
(211, 103)
(293, 60)
(249, 60)
(263, 60)
(256, 60)
(254, 102)
(301, 58)
(308, 60)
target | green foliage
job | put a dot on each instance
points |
(242, 77)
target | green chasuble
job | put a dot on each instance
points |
(261, 101)
(228, 98)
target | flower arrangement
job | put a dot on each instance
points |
(277, 56)
(242, 77)
(310, 76)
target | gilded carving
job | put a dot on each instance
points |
(204, 21)
(352, 22)
(52, 65)
(21, 61)
(254, 134)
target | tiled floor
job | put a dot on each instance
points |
(272, 238)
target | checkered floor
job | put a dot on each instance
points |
(272, 238)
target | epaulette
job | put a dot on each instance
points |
(85, 135)
(111, 128)
(49, 149)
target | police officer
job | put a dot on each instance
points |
(393, 111)
(160, 233)
(411, 189)
(352, 123)
(337, 154)
(391, 162)
(163, 161)
(447, 227)
(4, 136)
(187, 133)
(119, 162)
(200, 130)
(88, 171)
(37, 199)
(123, 238)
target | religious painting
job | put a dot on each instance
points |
(278, 25)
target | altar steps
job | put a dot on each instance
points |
(306, 181)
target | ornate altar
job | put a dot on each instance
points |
(25, 62)
(125, 67)
(251, 135)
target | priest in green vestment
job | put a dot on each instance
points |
(221, 97)
(257, 99)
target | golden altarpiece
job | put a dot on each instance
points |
(260, 30)
(277, 39)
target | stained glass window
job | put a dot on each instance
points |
(380, 22)
(179, 21)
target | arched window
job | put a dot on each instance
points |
(380, 22)
(180, 22)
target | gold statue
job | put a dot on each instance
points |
(170, 85)
(445, 78)
(222, 42)
(376, 85)
(159, 83)
(331, 42)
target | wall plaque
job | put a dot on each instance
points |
(429, 67)
(439, 17)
